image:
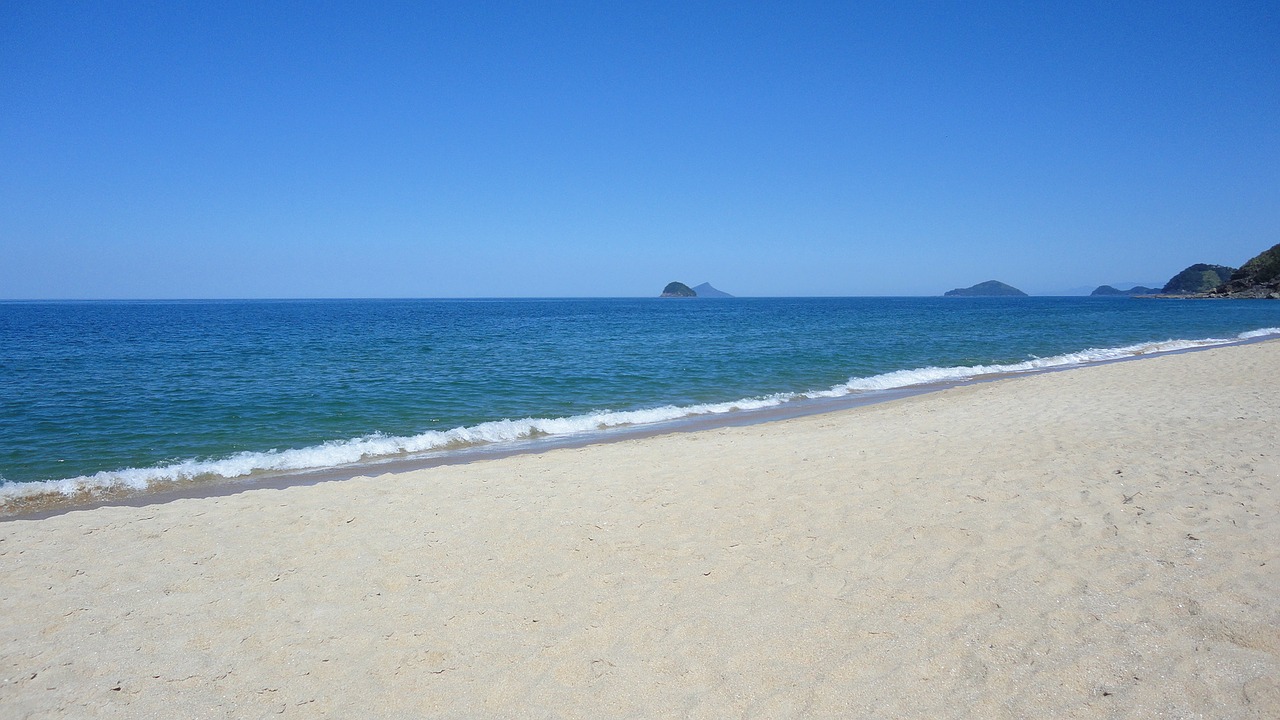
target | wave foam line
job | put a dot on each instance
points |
(372, 448)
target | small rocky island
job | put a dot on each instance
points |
(706, 291)
(680, 290)
(1108, 291)
(990, 288)
(677, 290)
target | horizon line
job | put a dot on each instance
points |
(497, 297)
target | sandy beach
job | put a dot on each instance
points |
(1100, 542)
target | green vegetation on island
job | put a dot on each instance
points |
(678, 290)
(1198, 278)
(990, 288)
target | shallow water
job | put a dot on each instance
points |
(135, 394)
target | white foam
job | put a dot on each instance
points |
(1264, 332)
(373, 448)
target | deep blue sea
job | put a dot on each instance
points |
(143, 394)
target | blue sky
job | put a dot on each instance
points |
(162, 150)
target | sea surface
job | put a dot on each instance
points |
(109, 396)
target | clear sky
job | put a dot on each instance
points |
(474, 149)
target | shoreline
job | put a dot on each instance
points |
(55, 502)
(1096, 543)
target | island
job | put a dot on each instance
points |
(678, 290)
(1109, 291)
(706, 291)
(990, 288)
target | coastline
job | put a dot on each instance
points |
(1093, 543)
(195, 478)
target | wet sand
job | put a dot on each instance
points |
(1101, 542)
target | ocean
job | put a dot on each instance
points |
(111, 397)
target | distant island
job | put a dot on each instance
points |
(677, 290)
(1107, 290)
(680, 290)
(990, 288)
(706, 291)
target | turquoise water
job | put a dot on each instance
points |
(139, 393)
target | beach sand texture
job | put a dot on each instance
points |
(1102, 542)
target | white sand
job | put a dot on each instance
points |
(1102, 542)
